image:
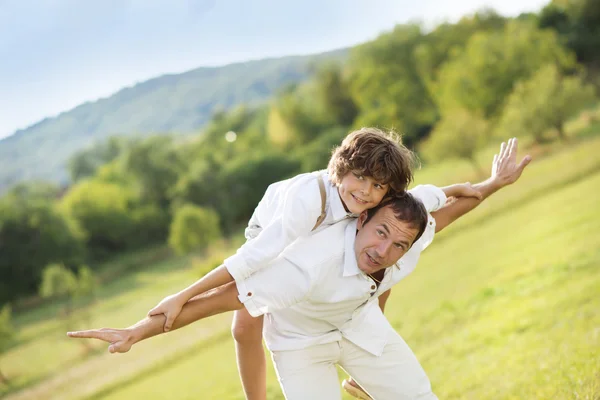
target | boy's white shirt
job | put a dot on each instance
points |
(289, 210)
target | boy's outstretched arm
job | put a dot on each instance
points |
(505, 171)
(171, 305)
(217, 301)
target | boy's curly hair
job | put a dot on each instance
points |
(375, 153)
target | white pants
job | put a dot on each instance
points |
(311, 373)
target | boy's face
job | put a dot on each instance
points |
(360, 193)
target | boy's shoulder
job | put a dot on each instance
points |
(301, 185)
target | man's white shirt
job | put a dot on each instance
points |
(314, 293)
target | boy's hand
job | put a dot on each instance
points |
(120, 340)
(170, 306)
(466, 190)
(504, 168)
(462, 190)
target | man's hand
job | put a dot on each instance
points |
(120, 340)
(170, 306)
(504, 168)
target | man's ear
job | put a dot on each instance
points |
(361, 219)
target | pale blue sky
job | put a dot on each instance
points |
(57, 54)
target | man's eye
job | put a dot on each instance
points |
(379, 232)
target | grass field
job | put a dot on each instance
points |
(504, 305)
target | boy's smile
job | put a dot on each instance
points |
(359, 193)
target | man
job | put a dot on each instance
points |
(321, 298)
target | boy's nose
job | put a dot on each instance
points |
(366, 188)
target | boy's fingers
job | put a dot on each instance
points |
(169, 322)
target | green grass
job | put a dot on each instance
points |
(503, 305)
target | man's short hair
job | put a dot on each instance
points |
(407, 208)
(375, 153)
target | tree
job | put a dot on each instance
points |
(193, 228)
(333, 92)
(33, 234)
(104, 212)
(481, 77)
(6, 334)
(458, 135)
(388, 87)
(85, 163)
(578, 22)
(60, 282)
(546, 101)
(155, 164)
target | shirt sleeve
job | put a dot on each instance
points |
(432, 196)
(300, 210)
(282, 285)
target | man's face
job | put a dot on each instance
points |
(360, 192)
(382, 241)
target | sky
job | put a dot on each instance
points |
(57, 54)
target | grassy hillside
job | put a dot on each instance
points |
(504, 305)
(180, 103)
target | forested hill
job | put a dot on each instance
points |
(180, 103)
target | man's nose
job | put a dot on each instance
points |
(384, 248)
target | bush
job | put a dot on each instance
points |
(34, 234)
(193, 228)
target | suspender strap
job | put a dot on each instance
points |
(323, 199)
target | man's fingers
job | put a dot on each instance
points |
(511, 148)
(502, 150)
(89, 334)
(526, 160)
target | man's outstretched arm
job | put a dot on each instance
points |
(505, 171)
(217, 301)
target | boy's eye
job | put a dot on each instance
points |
(380, 232)
(359, 176)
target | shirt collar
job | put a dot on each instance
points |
(350, 263)
(335, 203)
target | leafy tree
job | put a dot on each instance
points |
(104, 211)
(481, 77)
(448, 39)
(333, 93)
(578, 22)
(193, 228)
(6, 335)
(546, 101)
(33, 234)
(155, 164)
(458, 135)
(388, 87)
(59, 281)
(85, 163)
(243, 181)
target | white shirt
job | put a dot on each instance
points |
(314, 292)
(289, 210)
